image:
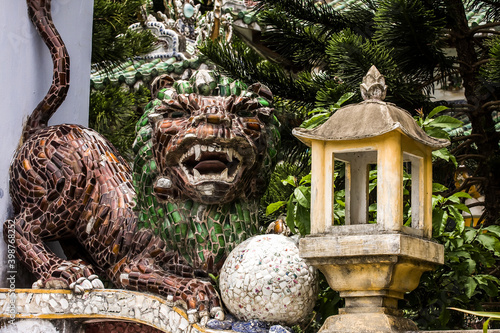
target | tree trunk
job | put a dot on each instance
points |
(478, 93)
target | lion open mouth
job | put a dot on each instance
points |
(210, 163)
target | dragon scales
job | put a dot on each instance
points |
(205, 149)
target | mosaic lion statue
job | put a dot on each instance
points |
(205, 149)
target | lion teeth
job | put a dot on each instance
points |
(224, 174)
(204, 148)
(197, 152)
(229, 154)
(196, 174)
(211, 148)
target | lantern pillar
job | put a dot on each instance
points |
(390, 183)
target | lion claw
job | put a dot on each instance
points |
(193, 316)
(85, 284)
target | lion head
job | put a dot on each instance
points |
(211, 140)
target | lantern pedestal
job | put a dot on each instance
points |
(367, 322)
(372, 272)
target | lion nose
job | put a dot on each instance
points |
(212, 118)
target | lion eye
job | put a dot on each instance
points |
(245, 113)
(177, 114)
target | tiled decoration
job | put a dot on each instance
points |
(264, 278)
(148, 312)
(205, 150)
(119, 327)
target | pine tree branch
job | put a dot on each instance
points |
(483, 26)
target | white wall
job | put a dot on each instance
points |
(26, 75)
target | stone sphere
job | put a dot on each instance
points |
(264, 278)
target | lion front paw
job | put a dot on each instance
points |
(202, 302)
(75, 275)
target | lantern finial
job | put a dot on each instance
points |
(373, 86)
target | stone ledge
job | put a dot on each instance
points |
(114, 304)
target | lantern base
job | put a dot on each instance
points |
(367, 323)
(372, 273)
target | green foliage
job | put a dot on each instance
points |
(464, 280)
(297, 204)
(241, 62)
(491, 70)
(112, 41)
(320, 114)
(414, 33)
(439, 127)
(351, 56)
(114, 113)
(319, 52)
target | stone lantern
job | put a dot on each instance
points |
(371, 263)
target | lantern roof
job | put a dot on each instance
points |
(370, 118)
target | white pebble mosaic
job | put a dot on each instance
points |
(264, 278)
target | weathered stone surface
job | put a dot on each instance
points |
(372, 273)
(328, 246)
(367, 322)
(98, 304)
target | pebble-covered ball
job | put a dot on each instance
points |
(264, 278)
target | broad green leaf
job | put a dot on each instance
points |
(436, 187)
(470, 234)
(305, 180)
(274, 207)
(495, 229)
(462, 207)
(489, 242)
(461, 254)
(461, 195)
(470, 287)
(472, 265)
(439, 218)
(459, 219)
(344, 98)
(445, 154)
(437, 133)
(446, 122)
(290, 180)
(315, 120)
(303, 220)
(436, 110)
(437, 199)
(303, 196)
